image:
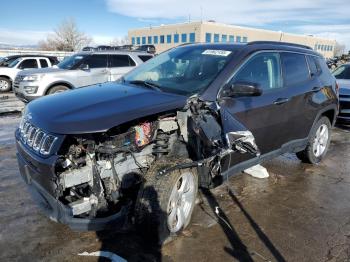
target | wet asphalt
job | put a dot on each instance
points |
(300, 213)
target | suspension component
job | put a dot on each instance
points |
(161, 146)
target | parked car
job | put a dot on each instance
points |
(5, 61)
(79, 70)
(147, 48)
(138, 150)
(8, 74)
(342, 74)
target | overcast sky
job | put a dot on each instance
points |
(28, 21)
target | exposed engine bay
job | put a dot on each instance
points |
(99, 173)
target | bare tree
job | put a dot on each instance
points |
(118, 41)
(66, 37)
(339, 49)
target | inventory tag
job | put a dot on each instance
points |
(216, 52)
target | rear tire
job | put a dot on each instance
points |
(318, 142)
(165, 203)
(57, 89)
(5, 84)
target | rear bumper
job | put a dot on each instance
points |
(55, 209)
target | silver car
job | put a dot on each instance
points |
(342, 74)
(79, 70)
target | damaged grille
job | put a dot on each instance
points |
(37, 139)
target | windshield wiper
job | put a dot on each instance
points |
(145, 83)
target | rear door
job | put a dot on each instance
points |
(266, 116)
(119, 64)
(97, 73)
(301, 80)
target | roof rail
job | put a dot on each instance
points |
(279, 43)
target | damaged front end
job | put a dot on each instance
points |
(97, 176)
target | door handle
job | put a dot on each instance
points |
(280, 101)
(316, 89)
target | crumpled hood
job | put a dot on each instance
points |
(98, 108)
(46, 70)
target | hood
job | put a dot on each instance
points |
(46, 70)
(98, 108)
(7, 70)
(344, 86)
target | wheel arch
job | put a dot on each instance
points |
(63, 83)
(8, 77)
(330, 112)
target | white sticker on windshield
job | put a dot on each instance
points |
(216, 52)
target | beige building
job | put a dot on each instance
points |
(167, 36)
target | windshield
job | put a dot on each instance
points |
(71, 62)
(185, 71)
(342, 72)
(14, 63)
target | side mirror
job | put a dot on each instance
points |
(84, 67)
(238, 89)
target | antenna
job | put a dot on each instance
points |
(189, 18)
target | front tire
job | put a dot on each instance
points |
(57, 89)
(318, 142)
(5, 84)
(165, 203)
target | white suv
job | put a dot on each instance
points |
(79, 70)
(8, 74)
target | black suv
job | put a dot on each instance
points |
(138, 150)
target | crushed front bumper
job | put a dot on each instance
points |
(41, 192)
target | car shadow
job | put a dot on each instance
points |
(134, 244)
(238, 249)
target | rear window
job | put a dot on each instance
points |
(315, 68)
(120, 61)
(144, 58)
(43, 63)
(295, 69)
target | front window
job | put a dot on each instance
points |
(14, 62)
(71, 62)
(185, 71)
(342, 72)
(263, 69)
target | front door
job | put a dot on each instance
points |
(97, 72)
(266, 116)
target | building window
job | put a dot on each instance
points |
(231, 38)
(192, 37)
(161, 39)
(155, 39)
(143, 40)
(133, 40)
(183, 38)
(224, 38)
(168, 39)
(176, 38)
(216, 38)
(149, 39)
(138, 40)
(245, 39)
(208, 37)
(331, 48)
(238, 39)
